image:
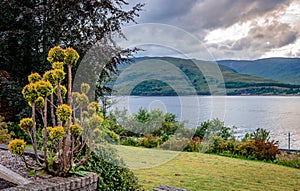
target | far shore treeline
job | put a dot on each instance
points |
(234, 80)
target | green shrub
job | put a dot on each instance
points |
(258, 134)
(112, 174)
(5, 135)
(175, 144)
(231, 146)
(266, 150)
(164, 138)
(213, 144)
(17, 132)
(112, 137)
(258, 149)
(113, 126)
(257, 145)
(129, 141)
(148, 141)
(214, 126)
(288, 159)
(247, 149)
(193, 145)
(219, 145)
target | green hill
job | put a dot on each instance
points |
(177, 76)
(286, 70)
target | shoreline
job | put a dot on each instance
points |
(217, 95)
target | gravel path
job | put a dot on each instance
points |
(15, 164)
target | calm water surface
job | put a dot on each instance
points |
(278, 114)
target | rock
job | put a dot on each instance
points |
(168, 188)
(11, 176)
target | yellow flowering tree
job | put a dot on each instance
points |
(66, 131)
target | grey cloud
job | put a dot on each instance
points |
(166, 11)
(274, 35)
(259, 41)
(198, 17)
(224, 13)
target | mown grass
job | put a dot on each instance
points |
(197, 171)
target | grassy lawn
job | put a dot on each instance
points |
(197, 171)
(29, 146)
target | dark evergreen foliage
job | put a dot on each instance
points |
(28, 29)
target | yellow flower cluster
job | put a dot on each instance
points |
(58, 54)
(32, 91)
(63, 112)
(34, 77)
(39, 103)
(44, 88)
(95, 121)
(56, 133)
(75, 130)
(17, 146)
(85, 88)
(63, 90)
(71, 56)
(82, 100)
(93, 107)
(54, 76)
(26, 124)
(58, 65)
(29, 92)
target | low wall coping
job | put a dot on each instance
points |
(85, 183)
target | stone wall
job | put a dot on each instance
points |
(86, 183)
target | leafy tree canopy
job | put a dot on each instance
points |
(28, 29)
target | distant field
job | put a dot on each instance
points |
(197, 171)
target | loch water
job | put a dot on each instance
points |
(278, 114)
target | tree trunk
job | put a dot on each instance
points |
(67, 139)
(69, 101)
(59, 97)
(52, 110)
(34, 142)
(45, 134)
(59, 101)
(80, 117)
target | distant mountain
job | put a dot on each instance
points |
(285, 70)
(177, 76)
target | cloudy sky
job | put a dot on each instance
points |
(228, 29)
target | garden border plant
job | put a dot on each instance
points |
(67, 141)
